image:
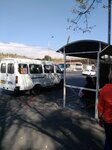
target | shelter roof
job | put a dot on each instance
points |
(86, 49)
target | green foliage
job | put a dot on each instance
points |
(47, 57)
(80, 1)
(2, 55)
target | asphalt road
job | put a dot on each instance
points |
(38, 122)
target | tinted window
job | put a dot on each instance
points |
(67, 65)
(79, 65)
(3, 68)
(23, 69)
(34, 68)
(58, 70)
(10, 68)
(62, 65)
(48, 68)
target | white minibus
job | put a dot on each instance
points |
(18, 74)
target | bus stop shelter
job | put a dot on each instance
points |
(91, 49)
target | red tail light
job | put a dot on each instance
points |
(16, 79)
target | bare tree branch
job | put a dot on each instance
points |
(81, 14)
(87, 10)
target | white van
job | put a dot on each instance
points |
(28, 74)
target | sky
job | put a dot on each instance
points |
(43, 23)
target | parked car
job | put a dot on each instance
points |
(89, 72)
(61, 66)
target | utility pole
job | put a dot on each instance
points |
(109, 25)
(49, 46)
(109, 22)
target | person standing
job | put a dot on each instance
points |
(105, 111)
(85, 96)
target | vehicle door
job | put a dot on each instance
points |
(10, 76)
(24, 79)
(3, 75)
(49, 75)
(58, 74)
(36, 74)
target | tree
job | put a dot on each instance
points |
(47, 57)
(81, 11)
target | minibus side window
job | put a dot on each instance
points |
(58, 70)
(48, 68)
(10, 68)
(35, 69)
(23, 69)
(3, 68)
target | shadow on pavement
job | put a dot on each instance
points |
(39, 123)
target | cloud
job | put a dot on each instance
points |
(28, 51)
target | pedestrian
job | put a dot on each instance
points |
(105, 111)
(85, 96)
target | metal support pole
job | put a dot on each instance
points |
(64, 87)
(97, 80)
(109, 22)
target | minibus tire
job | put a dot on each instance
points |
(36, 90)
(16, 93)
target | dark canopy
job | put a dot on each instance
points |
(86, 49)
